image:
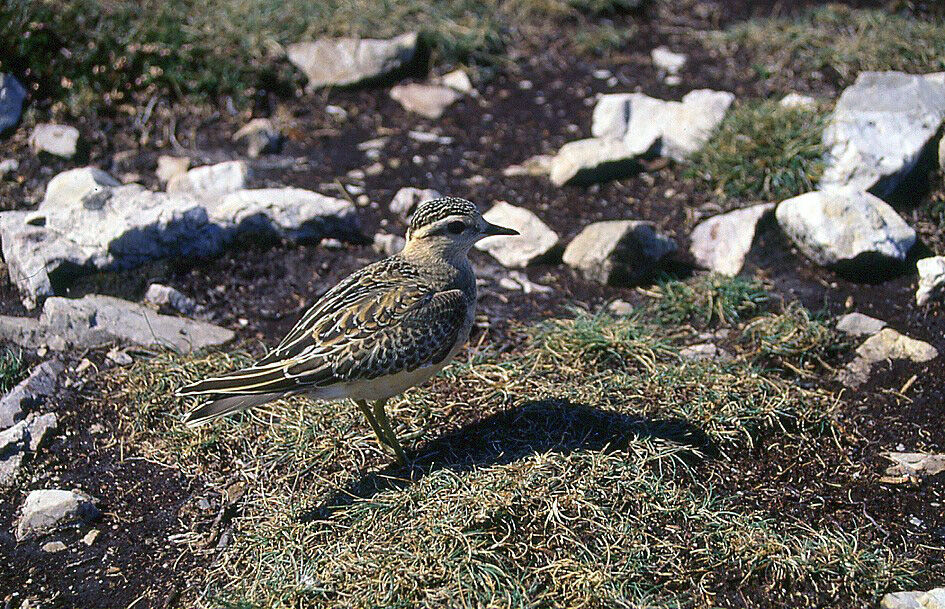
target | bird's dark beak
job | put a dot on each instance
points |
(494, 230)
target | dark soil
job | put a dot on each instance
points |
(259, 290)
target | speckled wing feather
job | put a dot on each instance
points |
(382, 320)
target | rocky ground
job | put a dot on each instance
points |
(204, 225)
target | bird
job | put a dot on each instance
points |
(385, 328)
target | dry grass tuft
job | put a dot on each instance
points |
(571, 472)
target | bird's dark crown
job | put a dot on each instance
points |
(437, 209)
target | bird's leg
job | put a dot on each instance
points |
(384, 422)
(363, 405)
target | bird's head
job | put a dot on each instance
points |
(449, 226)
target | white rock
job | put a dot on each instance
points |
(704, 351)
(857, 324)
(60, 140)
(796, 100)
(160, 295)
(10, 464)
(52, 547)
(721, 243)
(388, 244)
(406, 199)
(46, 510)
(890, 344)
(538, 165)
(425, 137)
(12, 95)
(668, 61)
(261, 136)
(95, 320)
(211, 180)
(170, 166)
(941, 153)
(351, 61)
(933, 599)
(620, 307)
(91, 536)
(591, 160)
(457, 80)
(668, 128)
(618, 251)
(518, 281)
(38, 429)
(87, 222)
(878, 129)
(8, 166)
(931, 279)
(31, 392)
(429, 101)
(534, 243)
(119, 357)
(915, 465)
(834, 227)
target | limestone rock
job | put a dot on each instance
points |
(261, 135)
(429, 101)
(169, 167)
(667, 128)
(887, 344)
(87, 222)
(95, 320)
(388, 244)
(618, 251)
(592, 160)
(12, 95)
(59, 140)
(931, 279)
(915, 465)
(406, 199)
(538, 165)
(846, 227)
(211, 180)
(457, 80)
(933, 599)
(351, 61)
(161, 295)
(534, 243)
(721, 243)
(30, 393)
(796, 100)
(857, 324)
(667, 61)
(46, 510)
(879, 128)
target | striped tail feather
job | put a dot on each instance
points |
(227, 406)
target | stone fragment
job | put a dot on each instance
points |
(620, 307)
(538, 165)
(388, 244)
(668, 61)
(915, 465)
(38, 429)
(95, 320)
(169, 167)
(857, 324)
(796, 100)
(406, 199)
(666, 128)
(211, 180)
(91, 536)
(52, 547)
(619, 252)
(534, 243)
(931, 279)
(351, 61)
(8, 166)
(879, 129)
(161, 295)
(887, 344)
(12, 95)
(88, 222)
(30, 393)
(457, 80)
(46, 510)
(261, 135)
(914, 599)
(58, 140)
(592, 160)
(704, 351)
(721, 243)
(845, 228)
(429, 101)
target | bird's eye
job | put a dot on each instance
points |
(456, 227)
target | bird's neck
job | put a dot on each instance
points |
(453, 266)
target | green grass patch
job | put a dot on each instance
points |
(763, 151)
(843, 39)
(566, 473)
(100, 53)
(793, 338)
(708, 299)
(12, 368)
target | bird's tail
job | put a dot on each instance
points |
(234, 392)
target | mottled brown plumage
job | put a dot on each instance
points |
(383, 329)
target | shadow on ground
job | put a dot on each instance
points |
(508, 436)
